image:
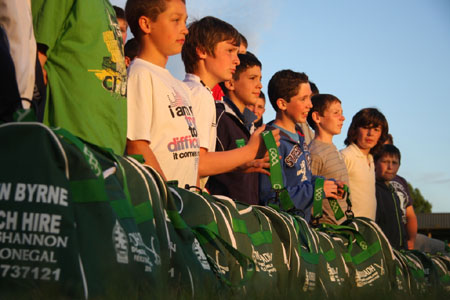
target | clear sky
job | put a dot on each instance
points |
(392, 55)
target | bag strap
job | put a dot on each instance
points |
(276, 175)
(209, 234)
(319, 195)
(79, 187)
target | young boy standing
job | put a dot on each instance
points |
(290, 95)
(389, 211)
(365, 136)
(234, 128)
(210, 56)
(161, 123)
(326, 119)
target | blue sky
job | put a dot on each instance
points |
(392, 55)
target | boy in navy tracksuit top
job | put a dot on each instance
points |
(290, 95)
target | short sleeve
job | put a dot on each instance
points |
(49, 17)
(140, 106)
(203, 106)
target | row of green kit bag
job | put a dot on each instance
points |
(77, 221)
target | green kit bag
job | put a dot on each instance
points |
(69, 218)
(255, 238)
(214, 231)
(190, 274)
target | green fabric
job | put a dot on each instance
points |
(240, 143)
(86, 69)
(319, 195)
(143, 212)
(276, 175)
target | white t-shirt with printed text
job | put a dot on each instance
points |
(160, 111)
(205, 115)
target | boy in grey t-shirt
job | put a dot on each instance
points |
(326, 119)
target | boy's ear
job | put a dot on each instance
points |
(281, 103)
(229, 84)
(145, 24)
(200, 53)
(315, 116)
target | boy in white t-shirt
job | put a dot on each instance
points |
(366, 134)
(161, 123)
(210, 56)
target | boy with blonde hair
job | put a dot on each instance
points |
(161, 122)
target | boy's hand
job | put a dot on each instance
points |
(257, 141)
(340, 188)
(256, 166)
(331, 189)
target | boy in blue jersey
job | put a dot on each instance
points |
(290, 95)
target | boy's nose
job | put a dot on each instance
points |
(236, 60)
(185, 30)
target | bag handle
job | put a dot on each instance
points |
(120, 206)
(319, 195)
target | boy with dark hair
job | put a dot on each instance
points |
(290, 96)
(326, 118)
(401, 188)
(234, 127)
(389, 214)
(258, 109)
(161, 123)
(366, 134)
(120, 15)
(210, 56)
(131, 51)
(217, 91)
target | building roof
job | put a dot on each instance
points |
(434, 221)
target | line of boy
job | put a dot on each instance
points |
(162, 124)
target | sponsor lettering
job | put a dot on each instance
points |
(273, 153)
(33, 222)
(263, 262)
(366, 276)
(310, 281)
(334, 275)
(33, 193)
(120, 243)
(33, 239)
(24, 272)
(318, 194)
(197, 249)
(334, 206)
(33, 255)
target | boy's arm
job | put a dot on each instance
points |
(300, 192)
(142, 147)
(411, 226)
(213, 163)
